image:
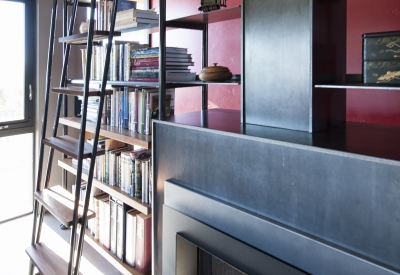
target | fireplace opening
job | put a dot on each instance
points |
(194, 260)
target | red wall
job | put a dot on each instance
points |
(224, 49)
(363, 16)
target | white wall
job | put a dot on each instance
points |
(43, 9)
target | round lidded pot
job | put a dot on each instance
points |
(215, 73)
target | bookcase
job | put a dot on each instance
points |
(124, 136)
(198, 22)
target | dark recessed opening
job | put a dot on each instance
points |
(194, 260)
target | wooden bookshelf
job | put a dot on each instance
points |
(115, 133)
(111, 190)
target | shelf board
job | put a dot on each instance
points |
(60, 203)
(355, 81)
(361, 139)
(132, 84)
(124, 268)
(220, 15)
(356, 85)
(115, 133)
(78, 91)
(169, 84)
(81, 38)
(112, 190)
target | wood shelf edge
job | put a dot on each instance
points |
(111, 190)
(114, 133)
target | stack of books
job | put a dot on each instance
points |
(145, 65)
(132, 18)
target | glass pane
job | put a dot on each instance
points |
(16, 164)
(12, 65)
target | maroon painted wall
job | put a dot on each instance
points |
(224, 49)
(363, 16)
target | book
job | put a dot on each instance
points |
(176, 50)
(131, 13)
(128, 26)
(143, 243)
(145, 180)
(113, 225)
(127, 21)
(130, 242)
(138, 179)
(96, 202)
(125, 5)
(121, 233)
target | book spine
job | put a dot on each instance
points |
(143, 243)
(144, 79)
(120, 233)
(132, 183)
(113, 226)
(135, 111)
(126, 108)
(106, 243)
(137, 64)
(127, 61)
(121, 66)
(138, 179)
(145, 189)
(147, 121)
(130, 237)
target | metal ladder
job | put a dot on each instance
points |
(57, 200)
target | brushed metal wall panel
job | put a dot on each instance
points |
(345, 199)
(277, 67)
(266, 235)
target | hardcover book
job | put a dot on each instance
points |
(143, 243)
(130, 250)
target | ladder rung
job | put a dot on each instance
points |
(60, 203)
(46, 261)
(81, 38)
(69, 146)
(78, 91)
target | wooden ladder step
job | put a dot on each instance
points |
(60, 203)
(78, 91)
(69, 146)
(46, 261)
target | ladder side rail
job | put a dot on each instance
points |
(44, 121)
(96, 136)
(65, 105)
(89, 48)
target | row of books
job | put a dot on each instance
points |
(122, 230)
(130, 61)
(145, 64)
(119, 67)
(121, 166)
(104, 9)
(130, 108)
